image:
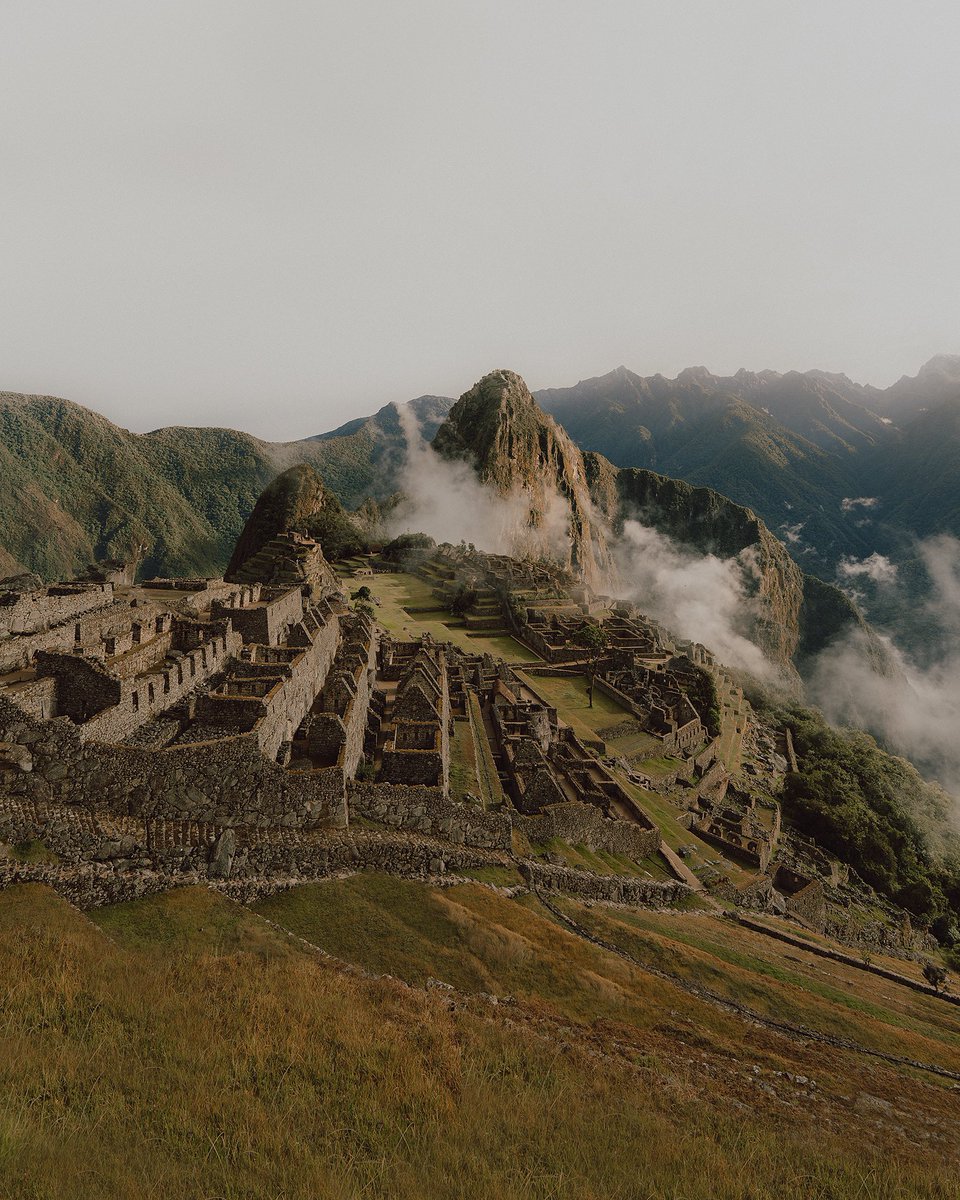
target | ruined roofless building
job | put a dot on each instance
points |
(178, 699)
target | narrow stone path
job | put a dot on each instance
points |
(800, 1032)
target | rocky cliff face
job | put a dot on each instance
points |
(711, 524)
(498, 428)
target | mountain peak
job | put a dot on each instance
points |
(487, 422)
(498, 428)
(285, 506)
(941, 364)
(695, 375)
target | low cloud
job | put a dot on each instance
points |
(700, 597)
(849, 503)
(915, 710)
(791, 533)
(876, 567)
(445, 499)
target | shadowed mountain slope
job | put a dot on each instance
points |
(75, 487)
(498, 428)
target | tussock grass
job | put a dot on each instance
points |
(228, 1065)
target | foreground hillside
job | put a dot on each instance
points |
(186, 1046)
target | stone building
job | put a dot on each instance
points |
(659, 700)
(176, 698)
(415, 724)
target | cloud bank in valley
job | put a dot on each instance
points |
(696, 596)
(916, 711)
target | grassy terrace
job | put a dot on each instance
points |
(783, 981)
(408, 608)
(732, 719)
(603, 863)
(463, 762)
(199, 1052)
(569, 695)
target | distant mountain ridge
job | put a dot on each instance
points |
(75, 487)
(792, 447)
(795, 447)
(500, 430)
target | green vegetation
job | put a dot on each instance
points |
(397, 550)
(33, 852)
(408, 608)
(569, 695)
(463, 762)
(340, 534)
(74, 487)
(875, 812)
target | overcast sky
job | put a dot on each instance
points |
(279, 215)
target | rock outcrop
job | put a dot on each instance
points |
(275, 546)
(580, 502)
(514, 446)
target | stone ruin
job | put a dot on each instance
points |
(659, 699)
(216, 719)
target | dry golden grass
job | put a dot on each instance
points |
(196, 1052)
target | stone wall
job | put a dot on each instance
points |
(267, 619)
(808, 905)
(583, 824)
(337, 733)
(621, 698)
(84, 631)
(82, 688)
(252, 871)
(32, 612)
(285, 707)
(708, 756)
(426, 810)
(553, 652)
(144, 696)
(611, 889)
(227, 781)
(38, 698)
(140, 657)
(407, 767)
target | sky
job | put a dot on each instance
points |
(281, 215)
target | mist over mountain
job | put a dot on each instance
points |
(75, 487)
(839, 472)
(625, 531)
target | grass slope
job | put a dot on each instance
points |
(195, 1054)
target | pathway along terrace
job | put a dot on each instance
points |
(238, 711)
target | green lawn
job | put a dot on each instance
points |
(463, 762)
(400, 593)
